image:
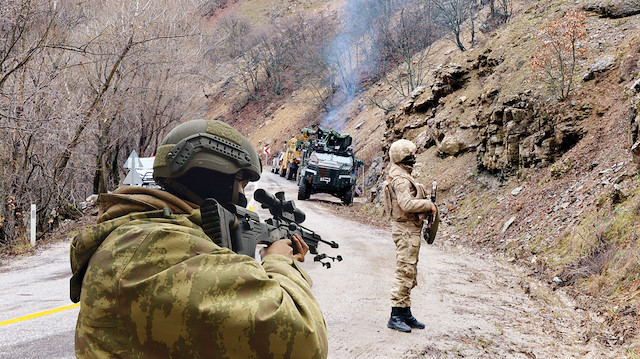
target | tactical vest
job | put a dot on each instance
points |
(391, 202)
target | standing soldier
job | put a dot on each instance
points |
(408, 206)
(153, 285)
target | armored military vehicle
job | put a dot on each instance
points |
(328, 165)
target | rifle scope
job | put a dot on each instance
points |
(278, 206)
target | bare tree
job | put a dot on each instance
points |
(452, 14)
(308, 58)
(276, 57)
(81, 85)
(145, 93)
(474, 8)
(235, 30)
(500, 10)
(406, 41)
(345, 58)
(247, 68)
(308, 36)
(27, 107)
(274, 48)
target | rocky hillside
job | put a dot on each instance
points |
(550, 184)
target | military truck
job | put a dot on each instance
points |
(328, 165)
(292, 157)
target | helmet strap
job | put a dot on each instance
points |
(236, 187)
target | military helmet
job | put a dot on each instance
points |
(211, 145)
(401, 149)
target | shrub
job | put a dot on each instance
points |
(556, 60)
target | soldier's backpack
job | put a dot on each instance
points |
(388, 201)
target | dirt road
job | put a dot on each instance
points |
(473, 305)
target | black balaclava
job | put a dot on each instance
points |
(409, 161)
(203, 183)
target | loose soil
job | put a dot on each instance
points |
(474, 304)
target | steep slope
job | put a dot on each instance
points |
(546, 183)
(550, 184)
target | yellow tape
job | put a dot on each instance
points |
(36, 315)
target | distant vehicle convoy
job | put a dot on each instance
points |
(321, 161)
(276, 162)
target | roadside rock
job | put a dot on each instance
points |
(514, 136)
(508, 224)
(617, 194)
(448, 78)
(506, 133)
(602, 65)
(613, 9)
(408, 104)
(374, 172)
(425, 139)
(636, 86)
(485, 63)
(635, 153)
(450, 145)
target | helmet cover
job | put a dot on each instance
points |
(400, 149)
(208, 144)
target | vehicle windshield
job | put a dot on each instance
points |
(342, 161)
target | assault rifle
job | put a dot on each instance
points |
(241, 230)
(430, 230)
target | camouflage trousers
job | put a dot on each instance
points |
(407, 251)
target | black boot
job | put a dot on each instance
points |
(397, 321)
(410, 319)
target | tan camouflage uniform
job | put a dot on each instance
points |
(408, 211)
(153, 285)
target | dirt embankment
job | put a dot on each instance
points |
(474, 303)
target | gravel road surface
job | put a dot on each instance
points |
(474, 306)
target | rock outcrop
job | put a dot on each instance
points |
(448, 78)
(613, 9)
(505, 133)
(516, 134)
(601, 65)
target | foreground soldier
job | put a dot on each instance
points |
(408, 206)
(153, 285)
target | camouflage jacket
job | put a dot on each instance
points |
(408, 202)
(153, 285)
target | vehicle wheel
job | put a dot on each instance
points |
(303, 190)
(282, 173)
(348, 196)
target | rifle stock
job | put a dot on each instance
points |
(241, 230)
